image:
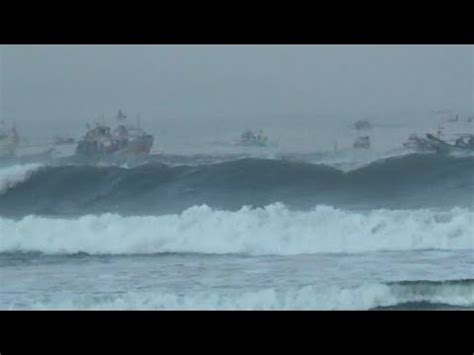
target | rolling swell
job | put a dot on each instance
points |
(412, 181)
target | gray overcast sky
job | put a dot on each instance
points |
(68, 85)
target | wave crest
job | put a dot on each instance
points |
(409, 182)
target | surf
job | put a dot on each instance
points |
(272, 230)
(362, 297)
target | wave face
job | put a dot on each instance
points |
(403, 295)
(411, 181)
(273, 230)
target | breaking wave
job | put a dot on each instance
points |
(425, 294)
(273, 230)
(410, 182)
(12, 175)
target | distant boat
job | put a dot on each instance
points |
(362, 142)
(464, 142)
(248, 138)
(122, 141)
(419, 144)
(441, 143)
(362, 125)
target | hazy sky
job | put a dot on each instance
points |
(65, 86)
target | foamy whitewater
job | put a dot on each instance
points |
(294, 231)
(273, 230)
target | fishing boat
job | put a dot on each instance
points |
(419, 144)
(362, 142)
(248, 138)
(124, 140)
(441, 141)
(362, 125)
(463, 143)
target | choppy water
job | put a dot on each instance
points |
(286, 231)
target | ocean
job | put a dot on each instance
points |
(327, 230)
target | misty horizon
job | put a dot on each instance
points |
(58, 89)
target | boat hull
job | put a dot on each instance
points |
(93, 149)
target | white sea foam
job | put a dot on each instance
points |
(12, 175)
(365, 296)
(273, 230)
